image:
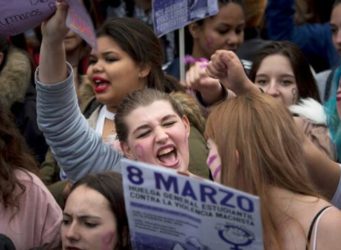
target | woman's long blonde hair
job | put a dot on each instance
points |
(260, 146)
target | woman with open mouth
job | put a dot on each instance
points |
(76, 147)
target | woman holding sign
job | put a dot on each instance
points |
(225, 30)
(155, 132)
(65, 129)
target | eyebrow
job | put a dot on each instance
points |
(228, 25)
(83, 217)
(105, 53)
(282, 75)
(287, 75)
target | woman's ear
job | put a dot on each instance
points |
(194, 30)
(186, 124)
(144, 71)
(127, 152)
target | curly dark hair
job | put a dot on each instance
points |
(14, 154)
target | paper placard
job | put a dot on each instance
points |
(169, 211)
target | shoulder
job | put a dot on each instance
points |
(310, 109)
(38, 198)
(34, 186)
(18, 64)
(328, 229)
(26, 177)
(91, 106)
(18, 56)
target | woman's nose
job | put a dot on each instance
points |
(160, 134)
(72, 232)
(272, 89)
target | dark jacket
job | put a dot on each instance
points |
(315, 40)
(18, 94)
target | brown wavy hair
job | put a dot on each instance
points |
(14, 154)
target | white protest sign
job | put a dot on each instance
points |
(17, 16)
(170, 211)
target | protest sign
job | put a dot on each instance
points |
(17, 16)
(169, 15)
(170, 211)
(80, 22)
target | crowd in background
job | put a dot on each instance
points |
(259, 110)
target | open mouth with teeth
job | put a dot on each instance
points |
(100, 85)
(168, 157)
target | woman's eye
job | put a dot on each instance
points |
(169, 123)
(92, 61)
(286, 82)
(66, 221)
(143, 134)
(90, 224)
(111, 59)
(222, 31)
(239, 31)
(333, 30)
(260, 82)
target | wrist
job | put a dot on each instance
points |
(211, 96)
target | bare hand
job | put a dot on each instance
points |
(197, 79)
(226, 66)
(54, 29)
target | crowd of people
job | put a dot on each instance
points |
(255, 112)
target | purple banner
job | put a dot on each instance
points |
(169, 15)
(17, 16)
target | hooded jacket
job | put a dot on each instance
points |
(313, 121)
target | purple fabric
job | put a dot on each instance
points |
(17, 16)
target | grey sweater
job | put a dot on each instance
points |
(76, 146)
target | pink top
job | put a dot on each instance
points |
(39, 217)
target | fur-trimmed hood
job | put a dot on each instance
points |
(15, 77)
(310, 109)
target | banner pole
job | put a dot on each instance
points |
(182, 53)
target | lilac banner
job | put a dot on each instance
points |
(169, 15)
(17, 16)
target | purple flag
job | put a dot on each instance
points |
(79, 21)
(17, 16)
